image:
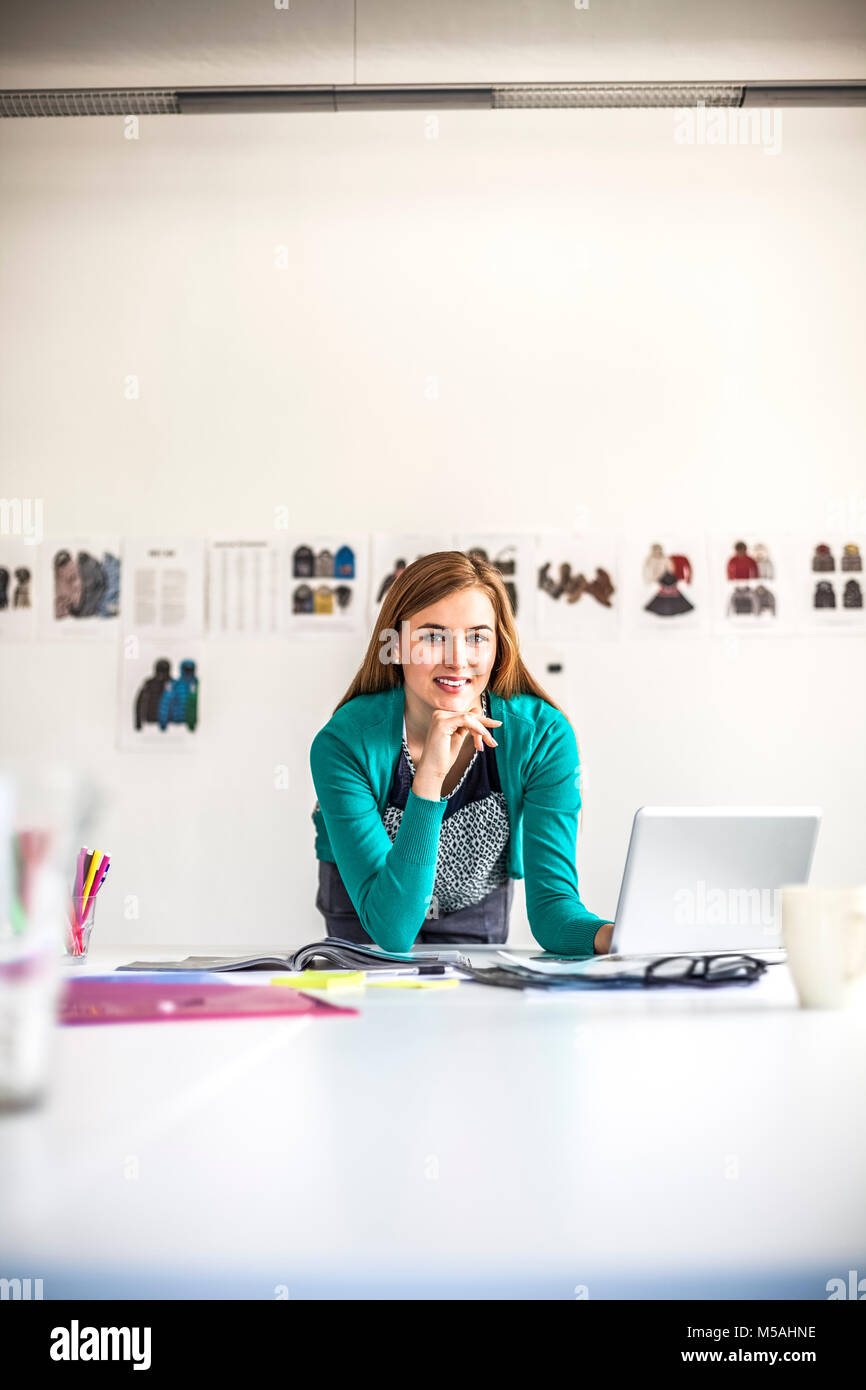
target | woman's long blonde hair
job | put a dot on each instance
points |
(423, 583)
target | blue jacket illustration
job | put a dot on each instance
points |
(179, 701)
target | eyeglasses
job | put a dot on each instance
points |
(703, 970)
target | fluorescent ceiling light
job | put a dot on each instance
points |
(134, 101)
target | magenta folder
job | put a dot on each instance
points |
(107, 1001)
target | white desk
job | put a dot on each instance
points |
(471, 1142)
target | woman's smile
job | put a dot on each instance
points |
(452, 684)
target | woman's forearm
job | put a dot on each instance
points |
(393, 898)
(572, 936)
(603, 938)
(427, 785)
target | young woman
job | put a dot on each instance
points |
(445, 773)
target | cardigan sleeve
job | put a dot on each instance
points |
(390, 885)
(551, 801)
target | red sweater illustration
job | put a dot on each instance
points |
(741, 565)
(681, 567)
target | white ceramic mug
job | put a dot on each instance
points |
(824, 934)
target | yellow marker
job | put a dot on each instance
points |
(94, 865)
(323, 979)
(410, 982)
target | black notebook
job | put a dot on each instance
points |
(334, 954)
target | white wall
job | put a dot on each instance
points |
(653, 333)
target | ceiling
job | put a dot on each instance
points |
(171, 43)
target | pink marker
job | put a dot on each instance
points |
(83, 856)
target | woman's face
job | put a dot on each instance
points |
(452, 645)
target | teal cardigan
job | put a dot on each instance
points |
(352, 760)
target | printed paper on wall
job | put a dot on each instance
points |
(327, 576)
(752, 575)
(19, 584)
(246, 579)
(160, 704)
(513, 555)
(81, 584)
(578, 585)
(832, 583)
(665, 583)
(392, 551)
(163, 588)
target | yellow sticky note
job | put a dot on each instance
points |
(413, 982)
(323, 979)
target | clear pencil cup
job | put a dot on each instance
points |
(76, 936)
(30, 986)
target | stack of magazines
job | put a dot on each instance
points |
(333, 953)
(510, 971)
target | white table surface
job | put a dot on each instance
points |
(469, 1142)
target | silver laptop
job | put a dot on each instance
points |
(707, 878)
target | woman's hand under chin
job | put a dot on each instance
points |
(601, 943)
